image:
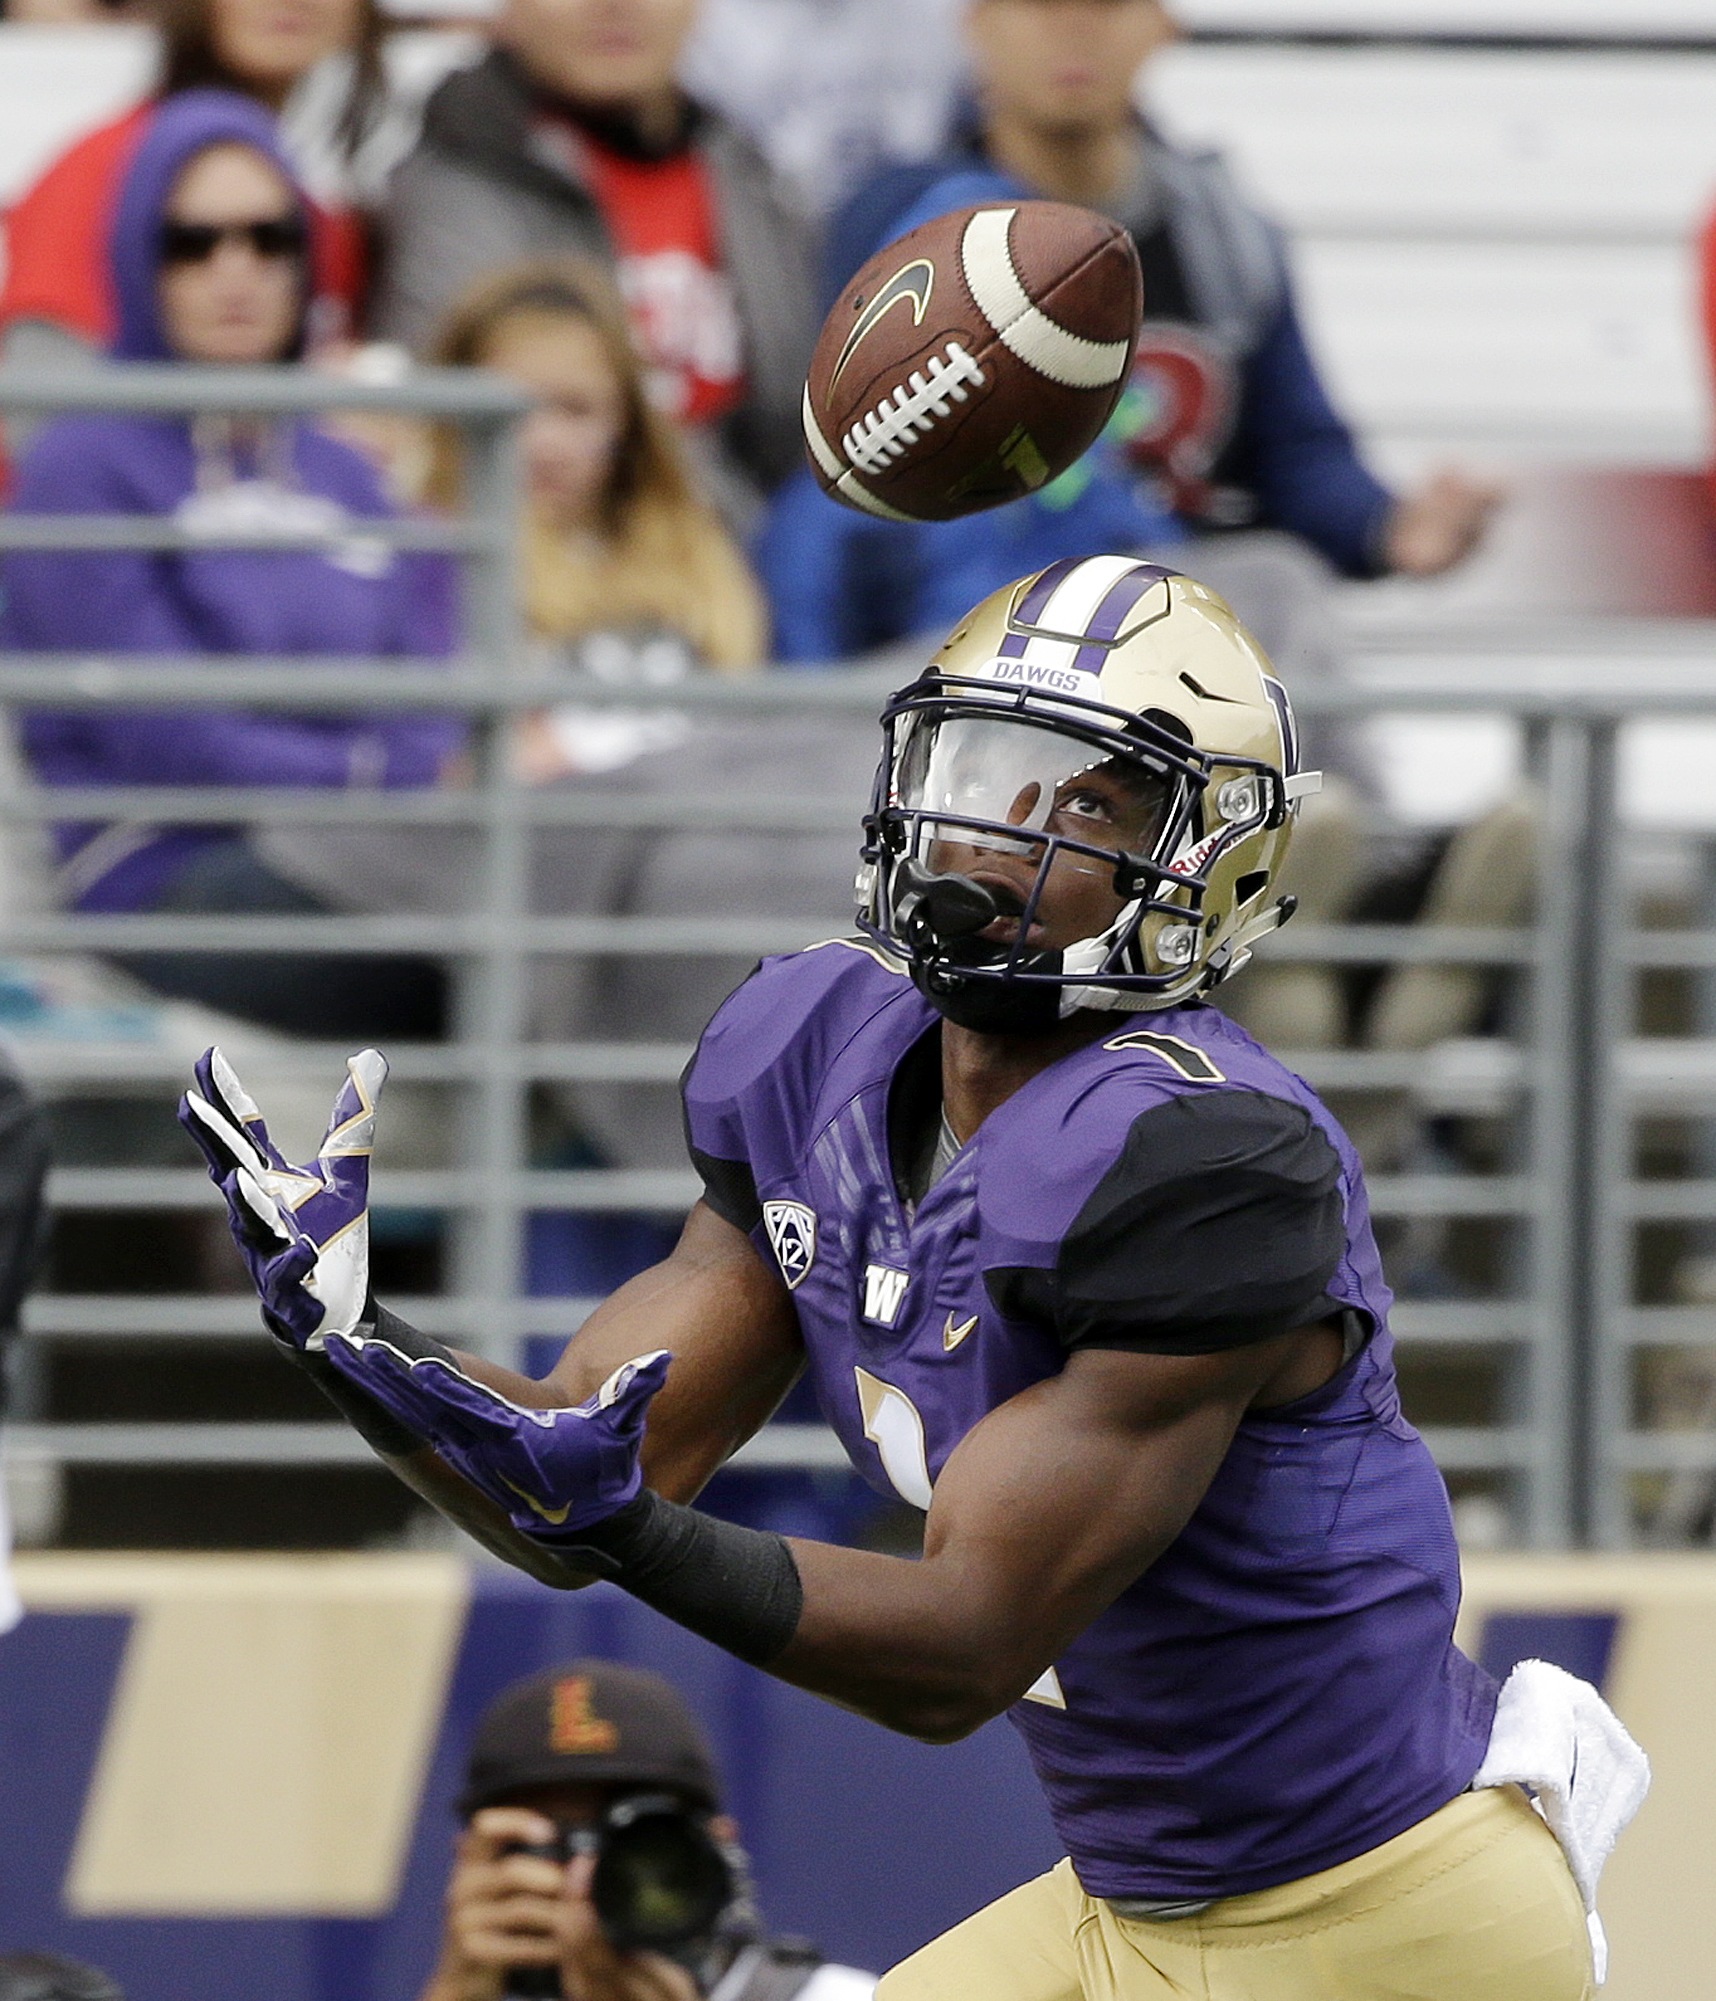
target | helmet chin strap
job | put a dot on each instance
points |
(939, 916)
(937, 910)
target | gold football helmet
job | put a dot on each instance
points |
(1084, 801)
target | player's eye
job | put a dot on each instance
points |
(1084, 803)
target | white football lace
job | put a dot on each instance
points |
(898, 421)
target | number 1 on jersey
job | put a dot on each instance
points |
(893, 1425)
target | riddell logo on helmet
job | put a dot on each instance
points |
(1193, 860)
(575, 1726)
(1059, 680)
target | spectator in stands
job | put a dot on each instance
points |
(841, 583)
(625, 567)
(1229, 418)
(573, 136)
(209, 251)
(552, 1757)
(628, 576)
(1226, 425)
(57, 301)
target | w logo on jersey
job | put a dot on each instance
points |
(884, 1288)
(792, 1232)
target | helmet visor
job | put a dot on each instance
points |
(967, 780)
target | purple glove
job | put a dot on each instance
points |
(303, 1232)
(553, 1471)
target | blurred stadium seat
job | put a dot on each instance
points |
(1554, 21)
(1492, 243)
(55, 84)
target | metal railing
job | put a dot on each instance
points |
(1569, 1080)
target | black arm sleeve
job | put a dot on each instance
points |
(735, 1586)
(1220, 1223)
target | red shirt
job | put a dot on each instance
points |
(661, 215)
(56, 240)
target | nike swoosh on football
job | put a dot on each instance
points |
(554, 1517)
(951, 1336)
(913, 282)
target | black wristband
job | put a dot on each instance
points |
(737, 1587)
(380, 1430)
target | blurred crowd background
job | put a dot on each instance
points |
(1424, 371)
(1423, 389)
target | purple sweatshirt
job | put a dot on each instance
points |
(355, 600)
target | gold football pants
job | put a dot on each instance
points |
(1474, 1904)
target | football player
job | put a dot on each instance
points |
(1081, 1271)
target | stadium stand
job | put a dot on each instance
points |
(1492, 215)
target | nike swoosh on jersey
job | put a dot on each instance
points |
(951, 1336)
(554, 1517)
(912, 283)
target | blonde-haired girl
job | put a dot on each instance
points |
(616, 537)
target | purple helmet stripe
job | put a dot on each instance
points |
(1031, 606)
(1105, 622)
(1289, 726)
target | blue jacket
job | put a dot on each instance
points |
(1287, 449)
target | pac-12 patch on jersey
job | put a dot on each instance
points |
(792, 1232)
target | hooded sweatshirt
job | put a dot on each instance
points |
(55, 237)
(355, 599)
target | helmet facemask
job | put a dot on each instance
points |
(1031, 854)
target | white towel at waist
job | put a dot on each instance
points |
(11, 1611)
(1556, 1736)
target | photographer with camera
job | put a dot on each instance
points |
(596, 1864)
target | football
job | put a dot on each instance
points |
(973, 360)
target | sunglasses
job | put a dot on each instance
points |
(269, 237)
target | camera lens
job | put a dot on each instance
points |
(660, 1879)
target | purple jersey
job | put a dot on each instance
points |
(1280, 1691)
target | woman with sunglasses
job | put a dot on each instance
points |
(57, 294)
(208, 258)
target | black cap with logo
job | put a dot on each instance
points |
(589, 1723)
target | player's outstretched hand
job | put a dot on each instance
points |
(303, 1232)
(553, 1471)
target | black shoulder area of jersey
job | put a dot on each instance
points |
(729, 1188)
(1221, 1222)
